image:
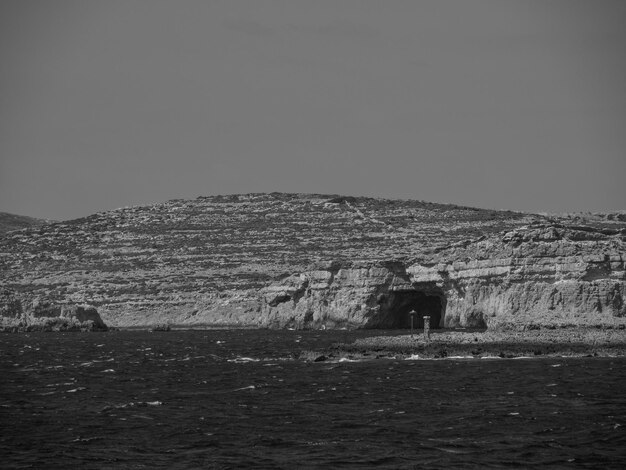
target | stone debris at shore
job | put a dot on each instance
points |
(568, 342)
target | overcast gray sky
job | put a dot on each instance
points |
(491, 103)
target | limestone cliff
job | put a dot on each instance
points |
(534, 276)
(45, 316)
(545, 275)
(296, 260)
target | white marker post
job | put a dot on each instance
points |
(426, 328)
(412, 314)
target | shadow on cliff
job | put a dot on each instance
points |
(395, 309)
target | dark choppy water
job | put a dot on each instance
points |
(235, 399)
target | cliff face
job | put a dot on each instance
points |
(318, 261)
(533, 276)
(538, 275)
(45, 316)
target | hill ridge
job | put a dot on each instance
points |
(10, 222)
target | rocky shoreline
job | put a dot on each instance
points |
(568, 342)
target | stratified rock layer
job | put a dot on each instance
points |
(533, 276)
(280, 260)
(538, 275)
(45, 316)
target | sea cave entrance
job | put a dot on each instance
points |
(396, 305)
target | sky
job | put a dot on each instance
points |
(499, 104)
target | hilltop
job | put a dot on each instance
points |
(282, 259)
(10, 222)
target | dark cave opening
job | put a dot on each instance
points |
(396, 305)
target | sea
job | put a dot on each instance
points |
(231, 399)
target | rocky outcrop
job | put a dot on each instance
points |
(295, 260)
(85, 315)
(45, 316)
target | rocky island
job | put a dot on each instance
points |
(321, 261)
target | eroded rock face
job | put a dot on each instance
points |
(46, 316)
(550, 276)
(84, 314)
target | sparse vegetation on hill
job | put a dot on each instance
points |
(11, 222)
(169, 261)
